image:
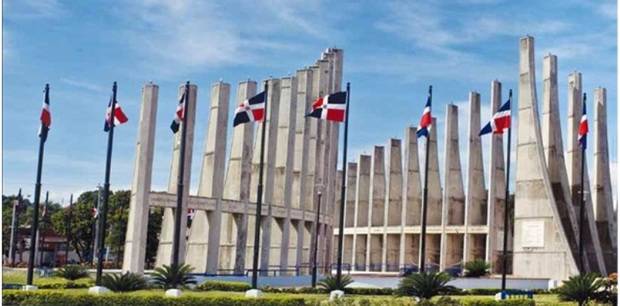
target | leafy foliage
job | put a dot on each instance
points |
(224, 286)
(330, 283)
(171, 276)
(123, 282)
(581, 288)
(72, 272)
(609, 294)
(476, 268)
(425, 285)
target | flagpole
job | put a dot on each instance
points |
(180, 186)
(316, 238)
(582, 200)
(96, 225)
(259, 196)
(37, 198)
(103, 212)
(69, 229)
(507, 199)
(343, 188)
(41, 238)
(425, 194)
(16, 204)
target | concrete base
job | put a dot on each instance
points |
(253, 293)
(336, 294)
(500, 296)
(173, 293)
(98, 290)
(29, 288)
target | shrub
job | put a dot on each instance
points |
(72, 272)
(476, 268)
(123, 282)
(331, 283)
(425, 285)
(224, 286)
(171, 276)
(609, 294)
(580, 288)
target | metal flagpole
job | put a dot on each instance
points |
(582, 200)
(316, 239)
(507, 200)
(14, 216)
(176, 240)
(425, 194)
(40, 237)
(69, 229)
(96, 226)
(37, 198)
(259, 196)
(343, 188)
(106, 190)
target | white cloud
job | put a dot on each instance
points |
(82, 85)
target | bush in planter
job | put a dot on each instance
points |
(476, 268)
(581, 288)
(330, 283)
(224, 286)
(123, 282)
(72, 272)
(425, 285)
(167, 276)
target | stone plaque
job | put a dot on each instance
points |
(533, 234)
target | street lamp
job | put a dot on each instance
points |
(316, 235)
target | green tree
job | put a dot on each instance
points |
(152, 237)
(118, 212)
(82, 222)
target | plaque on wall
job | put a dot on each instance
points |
(533, 234)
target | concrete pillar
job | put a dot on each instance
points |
(412, 192)
(541, 248)
(377, 184)
(271, 143)
(394, 199)
(497, 189)
(164, 251)
(284, 159)
(350, 197)
(237, 186)
(434, 200)
(206, 228)
(137, 222)
(360, 252)
(573, 165)
(554, 157)
(362, 191)
(453, 210)
(602, 193)
(336, 59)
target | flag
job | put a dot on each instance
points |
(499, 122)
(252, 109)
(178, 115)
(95, 212)
(426, 120)
(119, 116)
(191, 213)
(46, 118)
(583, 128)
(330, 107)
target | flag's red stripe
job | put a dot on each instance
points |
(335, 115)
(425, 120)
(583, 128)
(502, 123)
(119, 115)
(46, 118)
(258, 114)
(318, 103)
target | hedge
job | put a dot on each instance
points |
(58, 283)
(224, 286)
(515, 302)
(15, 297)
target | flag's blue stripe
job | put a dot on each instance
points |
(315, 113)
(423, 132)
(241, 117)
(338, 98)
(486, 129)
(259, 98)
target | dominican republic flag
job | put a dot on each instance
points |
(583, 127)
(119, 116)
(426, 120)
(95, 212)
(500, 121)
(191, 213)
(46, 119)
(178, 115)
(252, 109)
(331, 107)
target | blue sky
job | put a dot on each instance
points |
(393, 51)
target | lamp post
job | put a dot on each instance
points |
(316, 235)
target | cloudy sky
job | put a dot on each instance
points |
(393, 51)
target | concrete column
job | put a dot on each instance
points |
(362, 197)
(454, 197)
(602, 193)
(394, 199)
(312, 131)
(573, 165)
(350, 196)
(237, 186)
(137, 222)
(412, 197)
(164, 251)
(541, 248)
(434, 203)
(497, 187)
(206, 228)
(336, 59)
(554, 157)
(377, 191)
(320, 88)
(284, 159)
(271, 143)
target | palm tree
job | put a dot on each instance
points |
(172, 276)
(581, 288)
(330, 283)
(425, 285)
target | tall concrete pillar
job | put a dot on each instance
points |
(237, 186)
(554, 157)
(206, 227)
(434, 200)
(271, 143)
(476, 202)
(336, 59)
(453, 212)
(350, 196)
(497, 188)
(137, 222)
(377, 209)
(394, 205)
(573, 164)
(602, 193)
(164, 251)
(412, 192)
(541, 248)
(284, 159)
(362, 197)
